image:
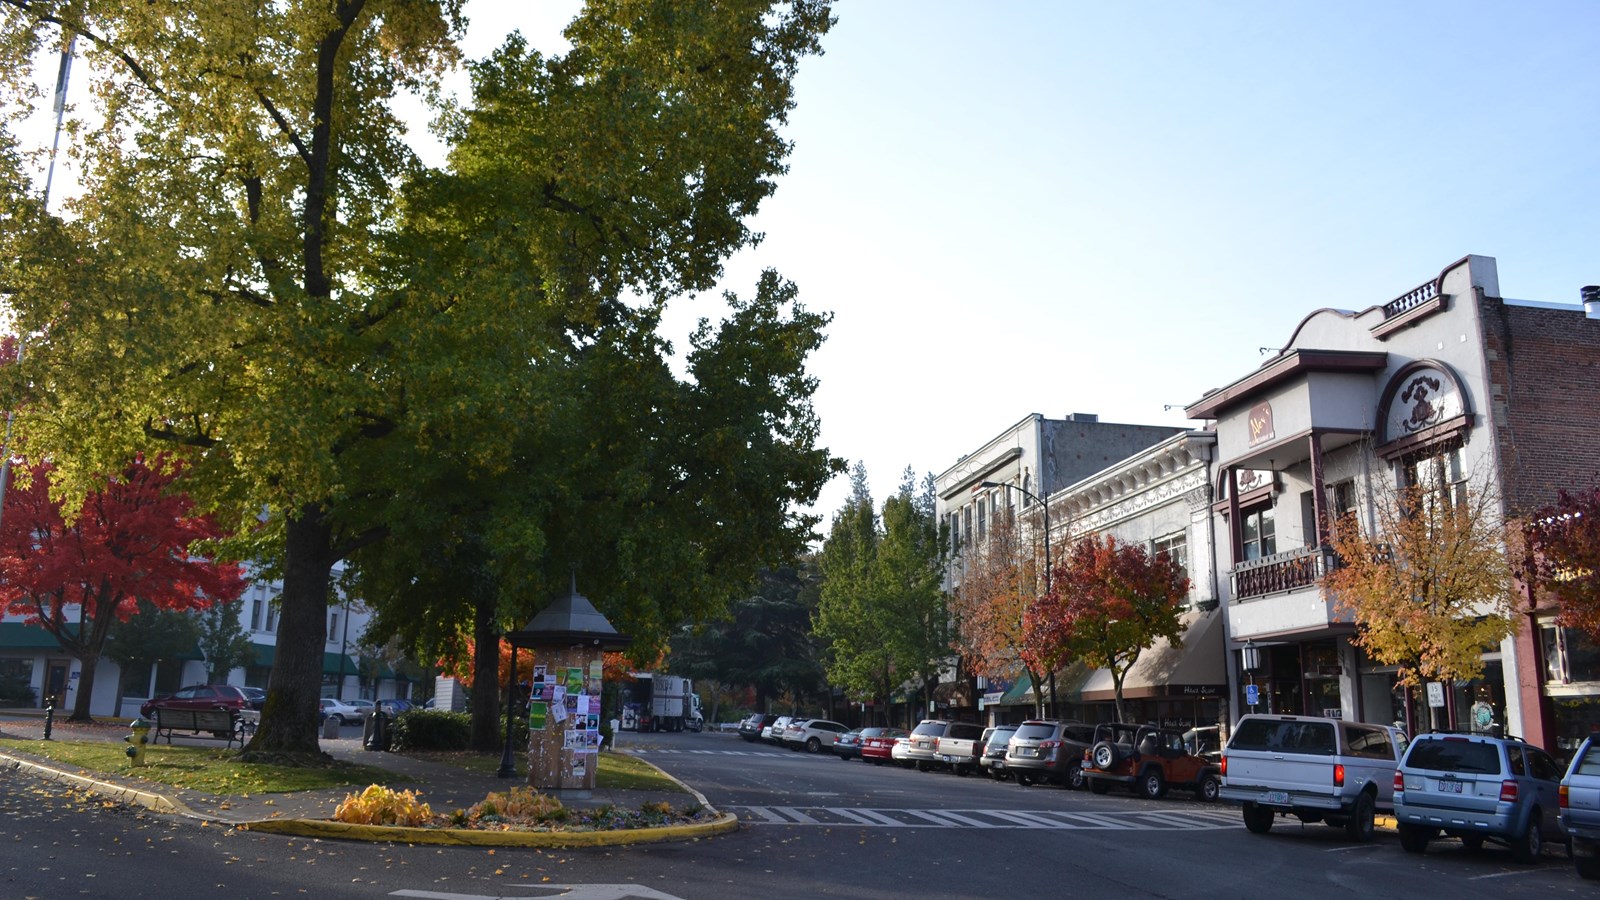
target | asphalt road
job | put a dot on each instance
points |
(817, 827)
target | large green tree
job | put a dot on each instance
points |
(263, 278)
(883, 615)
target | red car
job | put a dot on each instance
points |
(877, 744)
(199, 696)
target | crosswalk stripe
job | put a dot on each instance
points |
(799, 816)
(1060, 820)
(1031, 820)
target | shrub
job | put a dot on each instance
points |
(15, 690)
(431, 729)
(378, 805)
(520, 804)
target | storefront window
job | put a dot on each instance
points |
(1570, 656)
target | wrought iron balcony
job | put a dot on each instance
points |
(1290, 570)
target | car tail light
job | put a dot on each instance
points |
(1338, 775)
(1563, 796)
(1508, 792)
(1224, 766)
(1399, 782)
(1049, 745)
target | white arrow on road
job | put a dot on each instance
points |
(563, 891)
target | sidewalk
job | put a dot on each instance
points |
(442, 786)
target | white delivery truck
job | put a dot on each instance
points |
(656, 702)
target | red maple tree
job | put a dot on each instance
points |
(129, 541)
(1108, 602)
(1564, 541)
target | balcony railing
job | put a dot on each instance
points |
(1286, 571)
(1411, 299)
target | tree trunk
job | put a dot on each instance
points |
(485, 675)
(1116, 683)
(80, 702)
(289, 721)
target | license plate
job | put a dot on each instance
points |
(1450, 787)
(1025, 751)
(948, 759)
(1280, 797)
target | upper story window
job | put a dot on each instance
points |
(1176, 546)
(983, 510)
(258, 608)
(966, 522)
(1259, 532)
(333, 626)
(955, 531)
(1569, 655)
(1440, 475)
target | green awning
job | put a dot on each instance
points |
(1019, 692)
(22, 636)
(267, 654)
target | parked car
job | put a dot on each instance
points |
(812, 734)
(1476, 787)
(393, 706)
(365, 707)
(1048, 750)
(1149, 759)
(922, 748)
(773, 733)
(995, 741)
(339, 711)
(750, 728)
(1316, 769)
(877, 744)
(847, 746)
(1580, 808)
(900, 753)
(960, 747)
(198, 696)
(254, 697)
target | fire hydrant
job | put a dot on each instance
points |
(138, 740)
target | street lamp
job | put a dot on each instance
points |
(1035, 497)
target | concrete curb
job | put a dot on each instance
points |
(461, 837)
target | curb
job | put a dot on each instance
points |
(461, 837)
(318, 828)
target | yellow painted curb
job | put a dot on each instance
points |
(462, 837)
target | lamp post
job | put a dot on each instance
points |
(1047, 573)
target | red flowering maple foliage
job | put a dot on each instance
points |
(1108, 602)
(130, 541)
(1565, 543)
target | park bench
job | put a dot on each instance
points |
(216, 723)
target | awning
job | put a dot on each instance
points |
(267, 654)
(22, 636)
(1021, 692)
(1196, 669)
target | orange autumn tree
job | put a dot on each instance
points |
(1000, 576)
(1430, 587)
(1108, 602)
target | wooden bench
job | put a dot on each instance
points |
(213, 723)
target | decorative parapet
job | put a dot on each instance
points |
(1290, 570)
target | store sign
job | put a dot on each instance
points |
(1260, 423)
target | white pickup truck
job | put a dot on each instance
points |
(1318, 770)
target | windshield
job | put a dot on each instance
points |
(1035, 731)
(930, 729)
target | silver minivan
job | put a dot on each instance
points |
(1476, 787)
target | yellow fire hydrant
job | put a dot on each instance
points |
(138, 740)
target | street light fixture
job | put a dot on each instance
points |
(1047, 567)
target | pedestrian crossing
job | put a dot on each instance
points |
(1060, 820)
(767, 751)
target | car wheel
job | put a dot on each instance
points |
(1104, 755)
(1024, 780)
(1360, 826)
(1075, 778)
(876, 762)
(922, 766)
(793, 748)
(813, 745)
(1472, 843)
(1588, 867)
(1415, 838)
(1210, 788)
(961, 771)
(1152, 786)
(1258, 819)
(1527, 848)
(1096, 786)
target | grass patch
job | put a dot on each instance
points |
(617, 771)
(214, 771)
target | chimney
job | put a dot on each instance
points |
(1591, 300)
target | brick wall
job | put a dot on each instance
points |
(1544, 382)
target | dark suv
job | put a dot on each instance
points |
(1148, 759)
(1047, 750)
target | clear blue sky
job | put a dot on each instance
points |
(1056, 207)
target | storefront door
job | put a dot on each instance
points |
(55, 683)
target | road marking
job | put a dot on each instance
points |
(1035, 819)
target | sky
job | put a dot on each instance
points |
(1109, 208)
